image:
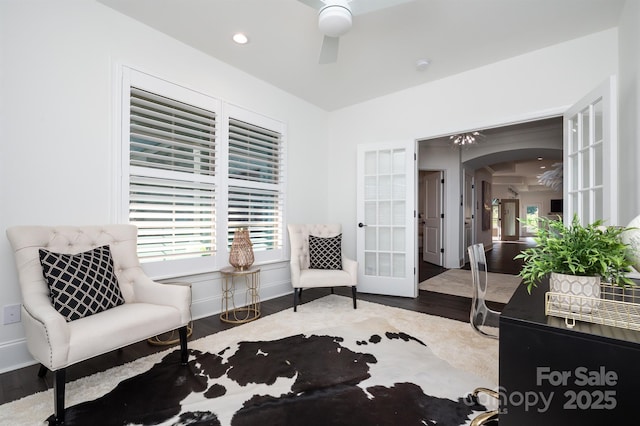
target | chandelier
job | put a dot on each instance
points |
(465, 139)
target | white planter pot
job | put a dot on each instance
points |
(582, 293)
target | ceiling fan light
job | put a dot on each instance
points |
(334, 20)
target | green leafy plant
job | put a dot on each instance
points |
(592, 250)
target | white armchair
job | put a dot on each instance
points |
(302, 273)
(149, 308)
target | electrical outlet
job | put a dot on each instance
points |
(11, 314)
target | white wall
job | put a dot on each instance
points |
(533, 85)
(57, 136)
(629, 111)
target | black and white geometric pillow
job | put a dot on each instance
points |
(325, 253)
(81, 284)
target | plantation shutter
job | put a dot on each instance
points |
(256, 182)
(172, 177)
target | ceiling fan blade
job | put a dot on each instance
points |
(360, 7)
(329, 51)
(316, 4)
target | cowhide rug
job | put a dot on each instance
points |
(365, 373)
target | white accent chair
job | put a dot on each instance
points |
(149, 308)
(304, 277)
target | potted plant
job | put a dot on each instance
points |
(576, 258)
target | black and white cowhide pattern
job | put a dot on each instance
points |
(345, 376)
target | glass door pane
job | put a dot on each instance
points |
(590, 157)
(385, 194)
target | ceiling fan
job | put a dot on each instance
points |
(335, 19)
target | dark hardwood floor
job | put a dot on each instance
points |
(25, 381)
(500, 258)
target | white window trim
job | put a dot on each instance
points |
(126, 77)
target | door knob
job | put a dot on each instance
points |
(361, 225)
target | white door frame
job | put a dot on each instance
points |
(469, 202)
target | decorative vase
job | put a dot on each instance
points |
(241, 253)
(582, 293)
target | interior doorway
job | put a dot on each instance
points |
(506, 159)
(430, 227)
(432, 217)
(510, 225)
(495, 219)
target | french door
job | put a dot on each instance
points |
(386, 252)
(590, 157)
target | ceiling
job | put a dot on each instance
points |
(517, 172)
(378, 55)
(522, 176)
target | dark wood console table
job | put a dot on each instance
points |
(552, 375)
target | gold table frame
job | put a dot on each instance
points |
(251, 311)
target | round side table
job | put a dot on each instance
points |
(251, 311)
(171, 337)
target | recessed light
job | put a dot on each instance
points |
(543, 167)
(539, 158)
(240, 38)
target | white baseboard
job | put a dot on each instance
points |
(14, 355)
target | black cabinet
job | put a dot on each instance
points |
(553, 375)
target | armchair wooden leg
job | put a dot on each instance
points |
(184, 354)
(296, 298)
(353, 293)
(42, 371)
(59, 378)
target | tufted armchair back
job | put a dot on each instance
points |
(299, 239)
(27, 240)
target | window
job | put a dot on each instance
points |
(192, 175)
(171, 177)
(255, 181)
(532, 218)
